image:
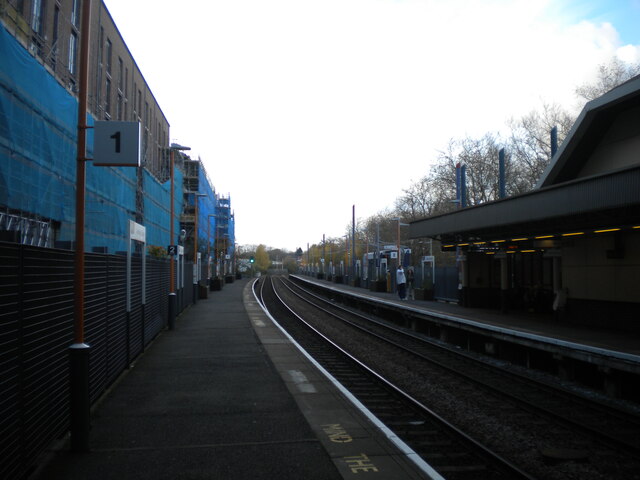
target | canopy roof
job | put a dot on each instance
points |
(593, 182)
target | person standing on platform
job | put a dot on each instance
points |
(410, 284)
(401, 280)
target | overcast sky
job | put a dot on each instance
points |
(300, 109)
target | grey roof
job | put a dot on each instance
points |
(588, 130)
(599, 201)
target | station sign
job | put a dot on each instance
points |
(137, 232)
(117, 144)
(172, 250)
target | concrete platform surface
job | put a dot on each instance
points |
(226, 395)
(627, 344)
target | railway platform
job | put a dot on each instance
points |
(527, 322)
(604, 359)
(228, 395)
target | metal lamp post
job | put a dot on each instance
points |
(209, 246)
(172, 281)
(196, 274)
(79, 401)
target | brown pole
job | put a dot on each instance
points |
(81, 173)
(79, 352)
(195, 250)
(172, 281)
(398, 242)
(195, 232)
(209, 244)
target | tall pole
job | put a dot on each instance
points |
(80, 403)
(398, 240)
(209, 246)
(195, 230)
(324, 255)
(346, 256)
(378, 251)
(173, 298)
(353, 243)
(195, 249)
(502, 191)
(172, 280)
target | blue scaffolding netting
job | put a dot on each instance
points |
(38, 133)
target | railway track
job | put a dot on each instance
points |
(619, 430)
(451, 452)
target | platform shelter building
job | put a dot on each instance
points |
(573, 242)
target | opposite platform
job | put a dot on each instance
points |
(211, 400)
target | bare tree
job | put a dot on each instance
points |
(417, 201)
(609, 76)
(528, 152)
(529, 145)
(480, 155)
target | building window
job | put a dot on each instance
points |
(73, 46)
(53, 56)
(75, 13)
(119, 108)
(36, 16)
(109, 50)
(107, 99)
(37, 25)
(120, 75)
(20, 7)
(100, 44)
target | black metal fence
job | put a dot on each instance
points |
(36, 330)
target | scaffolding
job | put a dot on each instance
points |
(20, 228)
(38, 141)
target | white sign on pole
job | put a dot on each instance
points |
(116, 144)
(137, 232)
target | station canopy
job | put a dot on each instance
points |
(591, 184)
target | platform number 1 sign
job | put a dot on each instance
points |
(116, 144)
(116, 138)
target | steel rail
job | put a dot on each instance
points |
(615, 437)
(492, 458)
